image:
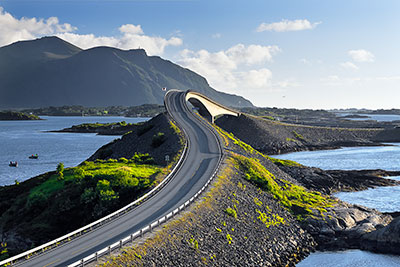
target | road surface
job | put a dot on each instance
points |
(202, 159)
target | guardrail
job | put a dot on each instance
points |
(68, 237)
(129, 239)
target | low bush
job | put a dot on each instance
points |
(158, 139)
(231, 212)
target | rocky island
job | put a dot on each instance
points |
(16, 116)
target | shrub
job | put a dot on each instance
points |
(60, 171)
(142, 158)
(123, 160)
(37, 200)
(229, 238)
(231, 212)
(157, 139)
(3, 251)
(194, 243)
(88, 196)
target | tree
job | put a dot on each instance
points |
(60, 171)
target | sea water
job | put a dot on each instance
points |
(20, 139)
(385, 199)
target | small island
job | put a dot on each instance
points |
(355, 116)
(17, 116)
(115, 128)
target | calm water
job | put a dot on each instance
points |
(383, 198)
(20, 139)
(350, 158)
(349, 258)
(377, 117)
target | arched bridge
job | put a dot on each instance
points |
(207, 107)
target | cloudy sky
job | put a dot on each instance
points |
(298, 53)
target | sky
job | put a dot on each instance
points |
(293, 54)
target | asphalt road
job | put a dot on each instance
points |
(201, 161)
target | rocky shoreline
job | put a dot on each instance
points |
(117, 128)
(271, 137)
(332, 181)
(343, 226)
(224, 228)
(17, 116)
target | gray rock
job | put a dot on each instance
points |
(384, 240)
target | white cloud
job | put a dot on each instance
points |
(12, 29)
(349, 65)
(232, 69)
(216, 35)
(131, 36)
(305, 61)
(131, 29)
(288, 25)
(252, 54)
(361, 55)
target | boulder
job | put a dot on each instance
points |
(385, 239)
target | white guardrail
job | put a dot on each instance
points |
(95, 224)
(107, 250)
(117, 245)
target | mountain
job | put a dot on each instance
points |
(52, 72)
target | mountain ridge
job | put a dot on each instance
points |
(52, 72)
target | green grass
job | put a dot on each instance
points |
(231, 212)
(270, 219)
(296, 198)
(298, 136)
(236, 141)
(98, 125)
(284, 162)
(249, 149)
(120, 173)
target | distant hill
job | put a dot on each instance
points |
(51, 72)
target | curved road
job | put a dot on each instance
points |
(202, 159)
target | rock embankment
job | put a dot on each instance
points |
(273, 137)
(331, 181)
(344, 226)
(236, 224)
(384, 240)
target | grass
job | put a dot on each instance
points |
(284, 162)
(231, 212)
(98, 125)
(119, 174)
(230, 137)
(296, 198)
(269, 219)
(298, 136)
(249, 149)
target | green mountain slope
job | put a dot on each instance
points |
(52, 72)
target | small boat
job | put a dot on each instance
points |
(36, 156)
(13, 164)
